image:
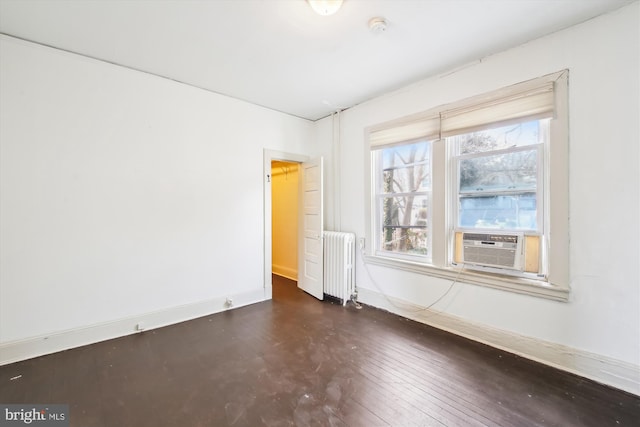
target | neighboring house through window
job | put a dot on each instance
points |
(474, 183)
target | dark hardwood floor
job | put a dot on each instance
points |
(298, 361)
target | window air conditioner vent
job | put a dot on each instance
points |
(497, 250)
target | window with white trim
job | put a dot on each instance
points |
(491, 167)
(403, 200)
(499, 175)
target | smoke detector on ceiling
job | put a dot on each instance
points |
(377, 25)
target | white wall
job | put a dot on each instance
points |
(116, 203)
(602, 319)
(125, 194)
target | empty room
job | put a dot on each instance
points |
(320, 213)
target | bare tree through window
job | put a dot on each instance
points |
(406, 188)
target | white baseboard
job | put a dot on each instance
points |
(605, 370)
(289, 273)
(15, 351)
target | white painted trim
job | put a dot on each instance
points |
(268, 293)
(603, 369)
(336, 147)
(15, 351)
(532, 287)
(556, 204)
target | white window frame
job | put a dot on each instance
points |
(555, 247)
(379, 195)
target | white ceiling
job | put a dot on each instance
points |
(279, 53)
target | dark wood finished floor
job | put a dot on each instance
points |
(298, 361)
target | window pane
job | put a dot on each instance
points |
(515, 171)
(403, 192)
(404, 224)
(406, 168)
(403, 155)
(499, 189)
(406, 180)
(517, 135)
(514, 211)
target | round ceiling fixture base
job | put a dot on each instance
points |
(377, 25)
(325, 7)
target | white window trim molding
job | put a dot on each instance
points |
(556, 285)
(519, 285)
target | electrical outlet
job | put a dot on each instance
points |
(361, 242)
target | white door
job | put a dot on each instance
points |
(310, 259)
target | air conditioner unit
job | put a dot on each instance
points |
(496, 250)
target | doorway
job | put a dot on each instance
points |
(284, 219)
(277, 162)
(308, 221)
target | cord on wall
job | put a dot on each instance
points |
(453, 282)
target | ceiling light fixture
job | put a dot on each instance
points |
(325, 7)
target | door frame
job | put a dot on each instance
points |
(268, 157)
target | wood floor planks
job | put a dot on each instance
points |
(295, 361)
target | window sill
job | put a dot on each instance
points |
(537, 288)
